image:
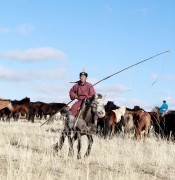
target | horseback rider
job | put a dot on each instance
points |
(80, 91)
(163, 109)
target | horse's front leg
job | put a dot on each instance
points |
(9, 116)
(58, 146)
(90, 142)
(71, 143)
(112, 130)
(79, 145)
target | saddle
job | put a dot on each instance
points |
(83, 105)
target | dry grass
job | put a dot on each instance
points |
(26, 153)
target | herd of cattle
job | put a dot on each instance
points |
(116, 118)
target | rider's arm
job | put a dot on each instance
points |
(73, 92)
(91, 91)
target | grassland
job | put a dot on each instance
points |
(26, 153)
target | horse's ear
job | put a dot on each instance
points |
(95, 96)
(104, 97)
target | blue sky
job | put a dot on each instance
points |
(45, 44)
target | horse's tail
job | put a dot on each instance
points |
(157, 125)
(106, 126)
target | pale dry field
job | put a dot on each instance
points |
(26, 153)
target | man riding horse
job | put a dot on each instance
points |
(80, 118)
(80, 91)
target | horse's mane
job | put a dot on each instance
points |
(136, 108)
(25, 100)
(110, 106)
(99, 96)
(93, 97)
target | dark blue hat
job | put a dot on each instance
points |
(84, 73)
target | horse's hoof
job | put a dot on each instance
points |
(78, 156)
(71, 153)
(86, 155)
(55, 147)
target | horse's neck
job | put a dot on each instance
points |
(156, 109)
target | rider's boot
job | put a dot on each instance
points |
(69, 120)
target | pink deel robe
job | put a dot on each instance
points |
(82, 91)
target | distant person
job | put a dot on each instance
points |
(164, 108)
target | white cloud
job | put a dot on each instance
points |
(46, 92)
(114, 89)
(25, 29)
(144, 10)
(5, 30)
(165, 77)
(169, 77)
(15, 75)
(35, 54)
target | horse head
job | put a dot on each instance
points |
(98, 105)
(110, 106)
(156, 109)
(10, 106)
(25, 100)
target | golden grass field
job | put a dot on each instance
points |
(26, 153)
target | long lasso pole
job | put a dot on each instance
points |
(148, 59)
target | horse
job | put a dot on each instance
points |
(5, 112)
(41, 108)
(5, 103)
(35, 110)
(17, 106)
(23, 101)
(103, 126)
(112, 120)
(142, 121)
(83, 125)
(127, 123)
(20, 110)
(164, 125)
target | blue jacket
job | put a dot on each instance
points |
(163, 108)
